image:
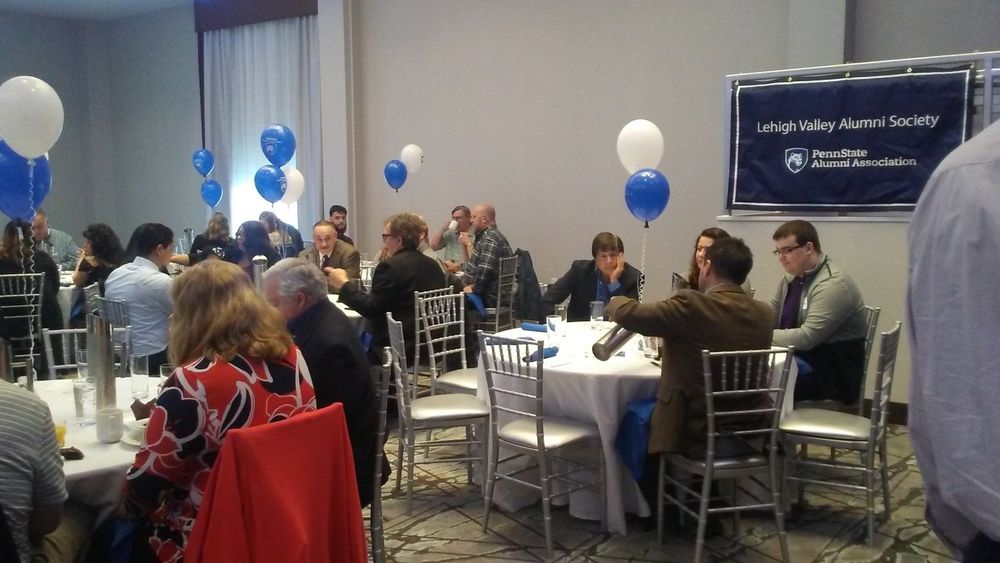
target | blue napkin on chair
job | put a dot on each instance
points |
(535, 327)
(804, 367)
(547, 352)
(477, 302)
(633, 435)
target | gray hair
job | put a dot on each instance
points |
(297, 275)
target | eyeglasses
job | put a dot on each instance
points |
(786, 250)
(386, 237)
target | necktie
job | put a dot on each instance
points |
(326, 262)
(790, 309)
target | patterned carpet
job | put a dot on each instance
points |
(447, 517)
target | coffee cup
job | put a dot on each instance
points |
(110, 425)
(453, 226)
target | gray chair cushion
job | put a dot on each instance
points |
(465, 379)
(826, 424)
(559, 432)
(448, 406)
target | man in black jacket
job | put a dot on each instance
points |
(600, 279)
(394, 281)
(332, 350)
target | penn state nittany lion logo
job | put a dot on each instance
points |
(796, 159)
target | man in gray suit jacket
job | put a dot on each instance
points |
(330, 252)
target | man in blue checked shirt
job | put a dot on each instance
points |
(57, 243)
(483, 267)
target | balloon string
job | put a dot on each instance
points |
(642, 264)
(31, 262)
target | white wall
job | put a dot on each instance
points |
(893, 29)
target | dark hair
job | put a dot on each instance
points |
(146, 237)
(104, 243)
(270, 220)
(804, 232)
(606, 242)
(731, 259)
(464, 209)
(408, 227)
(10, 247)
(337, 209)
(714, 233)
(256, 241)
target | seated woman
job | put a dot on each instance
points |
(235, 358)
(252, 240)
(101, 253)
(705, 240)
(17, 257)
(215, 242)
(285, 238)
(600, 279)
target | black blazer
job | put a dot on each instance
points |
(580, 285)
(393, 283)
(339, 369)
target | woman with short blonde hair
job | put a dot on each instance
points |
(236, 367)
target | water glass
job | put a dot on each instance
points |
(82, 370)
(138, 366)
(553, 327)
(84, 399)
(651, 347)
(596, 314)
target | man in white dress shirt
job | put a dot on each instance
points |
(147, 290)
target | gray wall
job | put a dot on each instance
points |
(893, 29)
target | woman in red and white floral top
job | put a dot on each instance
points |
(237, 367)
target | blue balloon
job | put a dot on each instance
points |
(270, 182)
(646, 194)
(22, 191)
(211, 192)
(278, 144)
(204, 161)
(395, 174)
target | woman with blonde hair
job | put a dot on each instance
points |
(215, 242)
(236, 367)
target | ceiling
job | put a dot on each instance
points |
(89, 9)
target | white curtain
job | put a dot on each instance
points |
(257, 75)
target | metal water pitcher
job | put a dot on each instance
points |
(259, 265)
(101, 360)
(612, 341)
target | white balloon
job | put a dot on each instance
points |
(640, 145)
(295, 185)
(31, 115)
(413, 157)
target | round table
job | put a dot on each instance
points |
(581, 387)
(357, 321)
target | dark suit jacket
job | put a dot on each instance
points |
(723, 318)
(580, 285)
(343, 256)
(340, 374)
(393, 283)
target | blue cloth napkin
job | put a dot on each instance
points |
(477, 302)
(547, 352)
(536, 327)
(804, 367)
(633, 435)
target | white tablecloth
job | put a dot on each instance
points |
(97, 479)
(68, 294)
(584, 388)
(355, 317)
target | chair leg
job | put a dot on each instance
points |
(401, 432)
(870, 501)
(603, 484)
(884, 461)
(660, 489)
(409, 469)
(706, 495)
(543, 468)
(468, 454)
(777, 482)
(491, 475)
(803, 454)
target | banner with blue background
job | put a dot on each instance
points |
(845, 143)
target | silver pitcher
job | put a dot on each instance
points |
(101, 360)
(612, 341)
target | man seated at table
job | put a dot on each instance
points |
(338, 217)
(819, 310)
(57, 243)
(32, 485)
(600, 279)
(404, 271)
(332, 350)
(719, 316)
(330, 252)
(482, 271)
(147, 290)
(455, 253)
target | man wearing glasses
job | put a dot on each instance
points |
(819, 310)
(455, 252)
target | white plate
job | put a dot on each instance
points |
(135, 433)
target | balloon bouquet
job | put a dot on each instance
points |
(211, 190)
(640, 148)
(277, 181)
(411, 158)
(31, 120)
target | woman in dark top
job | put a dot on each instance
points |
(252, 240)
(101, 253)
(17, 257)
(215, 242)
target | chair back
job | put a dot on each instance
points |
(67, 342)
(883, 383)
(503, 313)
(420, 340)
(405, 387)
(871, 326)
(21, 307)
(375, 512)
(90, 295)
(441, 327)
(744, 391)
(115, 311)
(514, 372)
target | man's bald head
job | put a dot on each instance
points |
(484, 216)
